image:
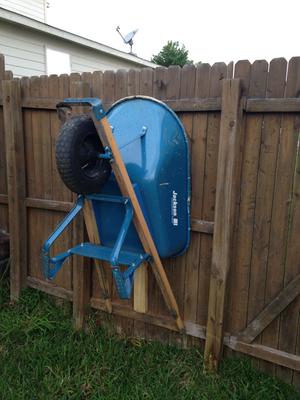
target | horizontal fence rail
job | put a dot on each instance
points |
(250, 105)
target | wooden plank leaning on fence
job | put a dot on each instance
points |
(224, 218)
(16, 185)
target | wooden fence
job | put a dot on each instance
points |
(245, 211)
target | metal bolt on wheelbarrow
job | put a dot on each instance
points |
(131, 165)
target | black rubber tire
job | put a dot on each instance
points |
(77, 146)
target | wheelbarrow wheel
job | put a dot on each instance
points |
(77, 156)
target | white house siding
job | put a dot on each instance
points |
(25, 52)
(30, 8)
(88, 60)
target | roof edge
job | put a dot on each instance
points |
(18, 19)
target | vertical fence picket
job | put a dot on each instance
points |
(146, 82)
(61, 90)
(81, 266)
(217, 74)
(196, 276)
(265, 198)
(58, 89)
(261, 216)
(109, 84)
(98, 91)
(239, 277)
(248, 192)
(3, 178)
(2, 69)
(97, 84)
(188, 267)
(109, 97)
(285, 179)
(35, 176)
(121, 88)
(293, 252)
(133, 85)
(16, 184)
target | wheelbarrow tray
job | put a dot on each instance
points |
(154, 149)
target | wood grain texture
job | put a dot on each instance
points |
(280, 246)
(3, 173)
(264, 219)
(97, 90)
(189, 275)
(194, 105)
(124, 326)
(93, 235)
(140, 290)
(49, 288)
(274, 105)
(237, 279)
(210, 133)
(16, 185)
(187, 268)
(261, 352)
(253, 79)
(3, 199)
(81, 266)
(271, 311)
(231, 119)
(288, 179)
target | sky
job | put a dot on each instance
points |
(212, 30)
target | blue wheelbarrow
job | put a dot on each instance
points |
(152, 144)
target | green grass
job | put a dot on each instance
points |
(41, 357)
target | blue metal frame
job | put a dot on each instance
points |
(51, 265)
(126, 223)
(93, 102)
(123, 280)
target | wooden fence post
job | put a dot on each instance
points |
(16, 185)
(229, 149)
